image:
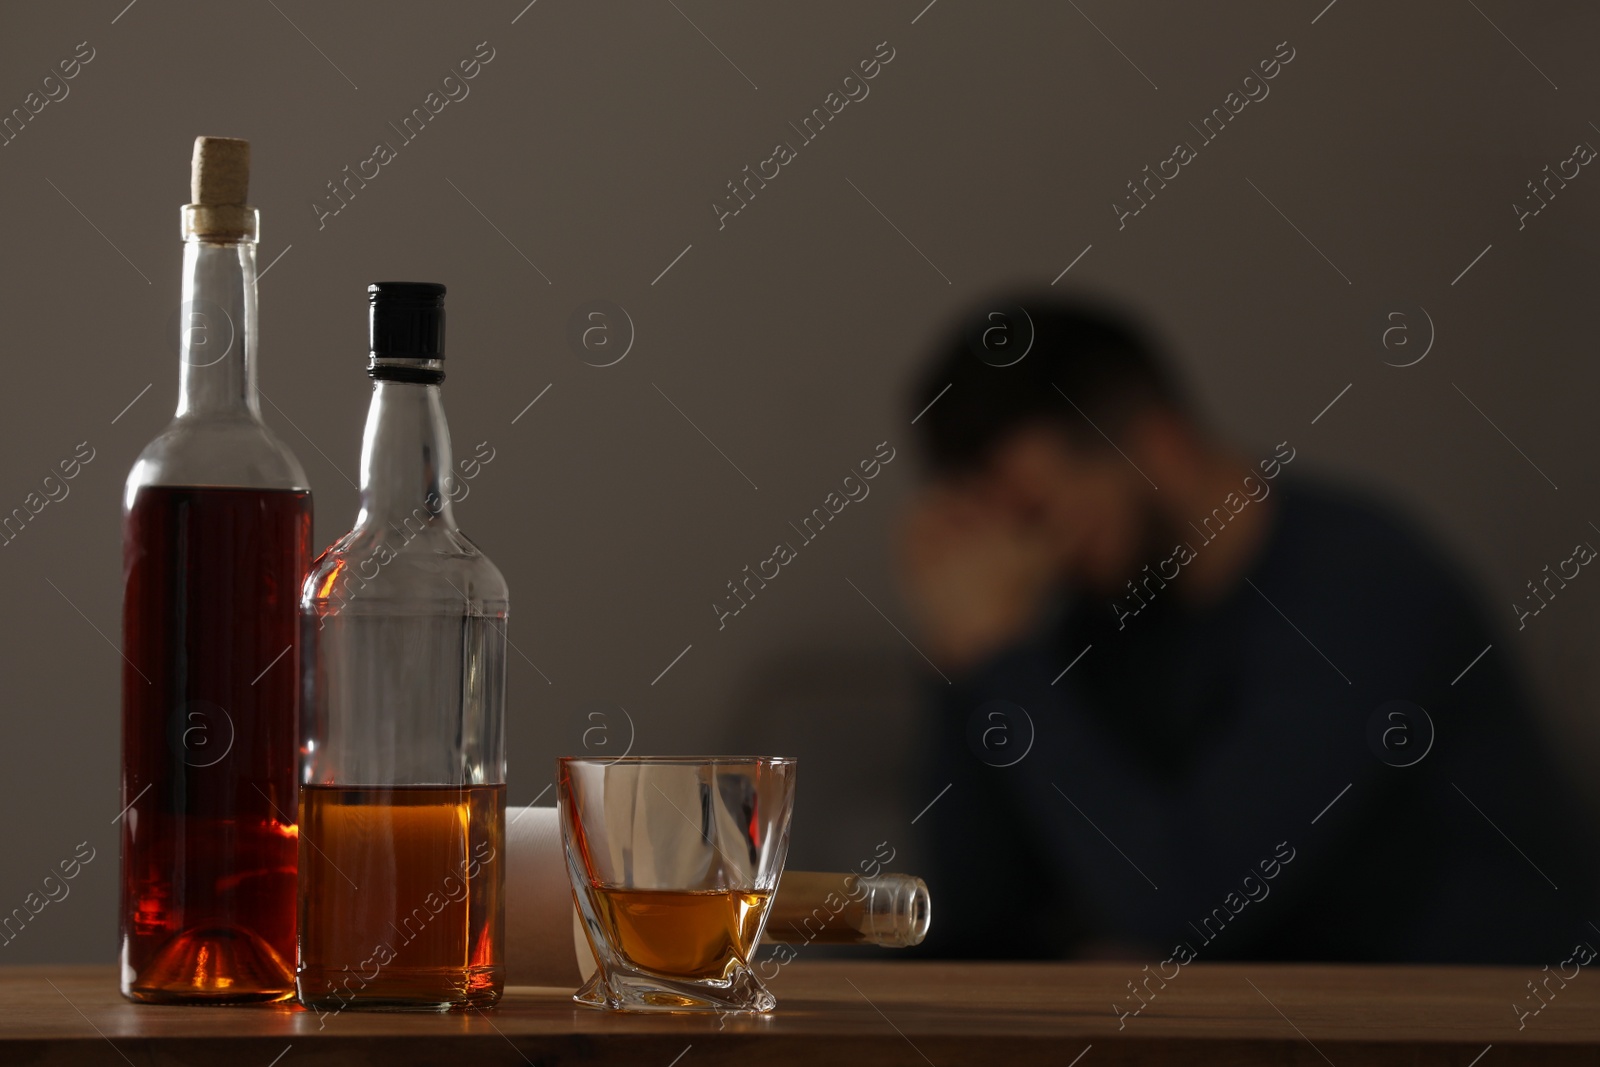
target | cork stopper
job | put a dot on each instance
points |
(220, 173)
(219, 185)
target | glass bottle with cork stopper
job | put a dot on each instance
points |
(216, 539)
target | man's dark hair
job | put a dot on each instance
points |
(1014, 361)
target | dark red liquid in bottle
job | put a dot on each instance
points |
(210, 722)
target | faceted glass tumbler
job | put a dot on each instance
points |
(674, 862)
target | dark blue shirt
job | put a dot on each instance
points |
(1253, 778)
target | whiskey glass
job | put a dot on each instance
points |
(674, 862)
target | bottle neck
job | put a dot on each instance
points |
(889, 909)
(406, 464)
(217, 330)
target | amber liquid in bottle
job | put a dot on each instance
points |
(210, 640)
(401, 896)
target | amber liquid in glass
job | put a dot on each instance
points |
(683, 933)
(210, 713)
(400, 896)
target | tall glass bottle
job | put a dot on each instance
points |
(402, 824)
(216, 540)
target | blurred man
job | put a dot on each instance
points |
(1200, 705)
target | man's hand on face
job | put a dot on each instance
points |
(975, 574)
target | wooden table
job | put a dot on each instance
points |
(883, 1013)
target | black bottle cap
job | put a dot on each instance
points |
(406, 322)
